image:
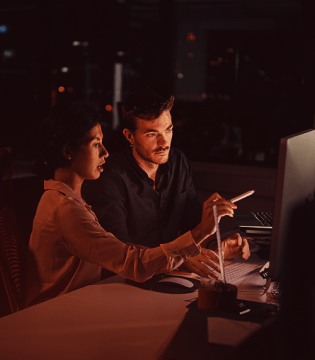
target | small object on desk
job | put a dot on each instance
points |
(177, 282)
(217, 296)
(273, 294)
(264, 270)
(170, 284)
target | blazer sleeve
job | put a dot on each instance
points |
(85, 238)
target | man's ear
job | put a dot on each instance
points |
(129, 136)
(66, 152)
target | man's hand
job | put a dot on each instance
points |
(207, 224)
(234, 246)
(194, 264)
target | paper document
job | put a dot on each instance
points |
(229, 332)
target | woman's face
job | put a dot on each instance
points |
(88, 160)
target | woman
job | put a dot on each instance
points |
(68, 248)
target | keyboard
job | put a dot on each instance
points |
(236, 270)
(275, 289)
(264, 217)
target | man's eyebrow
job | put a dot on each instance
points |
(154, 130)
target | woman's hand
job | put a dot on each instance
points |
(207, 224)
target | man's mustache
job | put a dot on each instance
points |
(162, 149)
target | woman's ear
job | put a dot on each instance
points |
(66, 152)
(129, 136)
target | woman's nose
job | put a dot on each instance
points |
(104, 152)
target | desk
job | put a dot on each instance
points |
(107, 321)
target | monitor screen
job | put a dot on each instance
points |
(295, 183)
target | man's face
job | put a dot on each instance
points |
(151, 141)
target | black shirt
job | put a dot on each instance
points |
(128, 206)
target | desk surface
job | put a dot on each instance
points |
(108, 320)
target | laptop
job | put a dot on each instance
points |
(254, 222)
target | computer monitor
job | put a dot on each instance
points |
(295, 183)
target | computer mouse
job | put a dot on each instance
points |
(177, 282)
(170, 284)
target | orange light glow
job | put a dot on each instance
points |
(61, 89)
(191, 37)
(214, 63)
(108, 108)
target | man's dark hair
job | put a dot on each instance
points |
(66, 124)
(144, 105)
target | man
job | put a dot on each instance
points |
(146, 194)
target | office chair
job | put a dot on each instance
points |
(12, 259)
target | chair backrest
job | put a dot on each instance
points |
(12, 259)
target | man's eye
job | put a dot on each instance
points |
(169, 130)
(150, 135)
(97, 144)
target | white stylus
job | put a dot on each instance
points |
(219, 243)
(242, 196)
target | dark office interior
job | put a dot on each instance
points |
(242, 73)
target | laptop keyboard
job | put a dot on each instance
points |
(237, 270)
(265, 218)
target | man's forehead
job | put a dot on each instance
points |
(164, 121)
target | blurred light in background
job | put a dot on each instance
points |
(120, 53)
(76, 43)
(220, 59)
(61, 89)
(90, 91)
(214, 63)
(70, 89)
(3, 29)
(191, 36)
(246, 58)
(85, 43)
(204, 95)
(64, 69)
(261, 72)
(190, 55)
(180, 75)
(230, 50)
(8, 53)
(108, 108)
(226, 97)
